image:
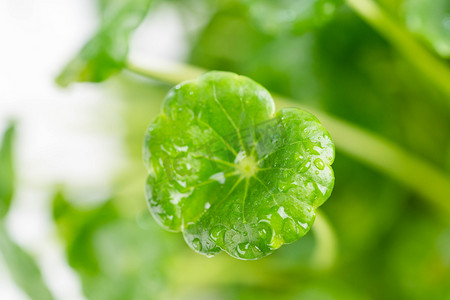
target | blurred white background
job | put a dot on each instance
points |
(63, 136)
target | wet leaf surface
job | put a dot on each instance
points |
(232, 174)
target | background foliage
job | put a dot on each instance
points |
(331, 55)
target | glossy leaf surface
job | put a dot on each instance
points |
(232, 174)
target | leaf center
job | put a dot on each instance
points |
(246, 165)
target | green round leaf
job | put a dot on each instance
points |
(231, 174)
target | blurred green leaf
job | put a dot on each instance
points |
(76, 227)
(431, 21)
(282, 63)
(417, 257)
(228, 41)
(105, 53)
(6, 170)
(23, 268)
(291, 15)
(115, 257)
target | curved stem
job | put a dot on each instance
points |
(419, 57)
(375, 151)
(326, 243)
(165, 71)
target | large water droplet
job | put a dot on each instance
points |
(319, 164)
(290, 230)
(248, 251)
(265, 231)
(305, 166)
(197, 244)
(298, 156)
(217, 234)
(242, 249)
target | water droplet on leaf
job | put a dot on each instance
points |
(197, 244)
(217, 234)
(265, 232)
(246, 250)
(290, 230)
(319, 164)
(305, 166)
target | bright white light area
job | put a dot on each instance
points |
(69, 136)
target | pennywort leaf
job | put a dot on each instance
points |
(105, 53)
(232, 174)
(6, 170)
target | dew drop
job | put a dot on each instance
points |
(217, 234)
(305, 167)
(265, 231)
(197, 244)
(248, 251)
(283, 186)
(298, 156)
(242, 249)
(290, 230)
(319, 164)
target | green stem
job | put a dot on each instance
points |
(326, 243)
(169, 72)
(362, 145)
(419, 57)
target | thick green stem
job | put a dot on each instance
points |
(410, 170)
(419, 57)
(326, 243)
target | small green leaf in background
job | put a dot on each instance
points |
(232, 174)
(76, 227)
(23, 268)
(115, 257)
(431, 21)
(6, 170)
(291, 15)
(106, 52)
